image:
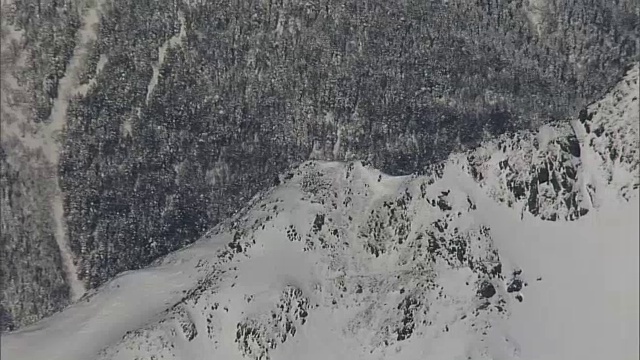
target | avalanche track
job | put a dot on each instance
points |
(68, 86)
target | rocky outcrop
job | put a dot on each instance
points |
(557, 172)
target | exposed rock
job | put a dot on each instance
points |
(514, 286)
(486, 290)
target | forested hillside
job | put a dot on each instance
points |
(186, 109)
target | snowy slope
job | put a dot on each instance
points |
(525, 248)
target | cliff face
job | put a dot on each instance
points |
(159, 119)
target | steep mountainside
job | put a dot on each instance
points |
(524, 248)
(140, 124)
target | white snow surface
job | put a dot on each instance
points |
(341, 261)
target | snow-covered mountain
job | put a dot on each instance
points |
(130, 128)
(524, 248)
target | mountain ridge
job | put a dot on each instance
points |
(143, 134)
(340, 260)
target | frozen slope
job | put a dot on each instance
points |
(525, 248)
